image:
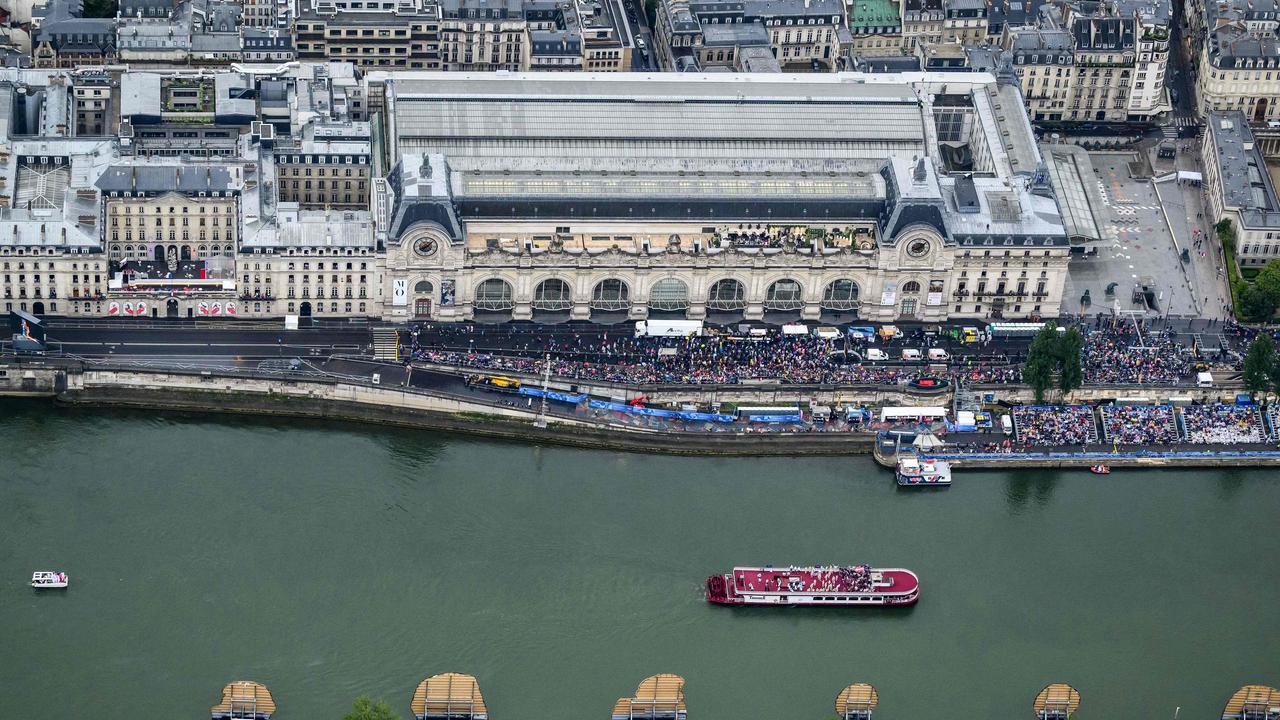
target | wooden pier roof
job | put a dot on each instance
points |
(660, 697)
(244, 700)
(1259, 701)
(1058, 700)
(856, 702)
(449, 696)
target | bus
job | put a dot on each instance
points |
(1017, 330)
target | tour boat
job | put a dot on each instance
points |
(1100, 470)
(918, 471)
(830, 585)
(48, 579)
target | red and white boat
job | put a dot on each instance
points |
(828, 585)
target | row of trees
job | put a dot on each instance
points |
(1054, 361)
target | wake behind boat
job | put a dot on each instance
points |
(48, 579)
(826, 585)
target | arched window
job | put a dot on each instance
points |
(552, 294)
(910, 287)
(423, 287)
(669, 294)
(610, 294)
(784, 295)
(840, 295)
(727, 294)
(494, 294)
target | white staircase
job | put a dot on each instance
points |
(386, 343)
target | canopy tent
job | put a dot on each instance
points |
(928, 441)
(900, 413)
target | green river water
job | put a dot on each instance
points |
(329, 560)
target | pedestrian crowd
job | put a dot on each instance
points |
(1043, 425)
(706, 360)
(1139, 424)
(1120, 356)
(1222, 424)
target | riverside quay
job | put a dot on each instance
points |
(311, 189)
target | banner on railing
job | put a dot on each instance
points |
(654, 412)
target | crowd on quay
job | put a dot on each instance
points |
(707, 360)
(1113, 356)
(1055, 425)
(1222, 424)
(1139, 424)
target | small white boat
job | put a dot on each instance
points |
(48, 579)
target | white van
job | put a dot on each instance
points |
(938, 354)
(910, 354)
(876, 354)
(1204, 379)
(1006, 424)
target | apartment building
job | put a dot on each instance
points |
(875, 27)
(801, 33)
(964, 21)
(922, 22)
(328, 167)
(1044, 61)
(1239, 58)
(1239, 188)
(1106, 60)
(404, 34)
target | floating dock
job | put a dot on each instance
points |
(1253, 702)
(449, 696)
(244, 700)
(1058, 701)
(660, 697)
(856, 702)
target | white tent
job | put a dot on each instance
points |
(900, 413)
(928, 441)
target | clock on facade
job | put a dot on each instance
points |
(918, 248)
(425, 247)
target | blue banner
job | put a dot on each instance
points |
(775, 418)
(553, 395)
(654, 412)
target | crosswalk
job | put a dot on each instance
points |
(1171, 130)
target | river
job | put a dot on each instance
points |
(329, 560)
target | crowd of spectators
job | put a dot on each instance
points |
(1222, 424)
(1053, 426)
(1139, 424)
(711, 359)
(1118, 355)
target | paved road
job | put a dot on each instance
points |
(207, 342)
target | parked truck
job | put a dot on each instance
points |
(668, 328)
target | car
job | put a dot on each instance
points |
(640, 43)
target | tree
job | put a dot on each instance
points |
(1259, 364)
(1070, 374)
(365, 709)
(1268, 281)
(1042, 361)
(1255, 303)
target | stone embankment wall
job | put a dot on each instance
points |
(325, 399)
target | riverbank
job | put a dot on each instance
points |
(507, 418)
(322, 398)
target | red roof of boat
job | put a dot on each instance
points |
(821, 580)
